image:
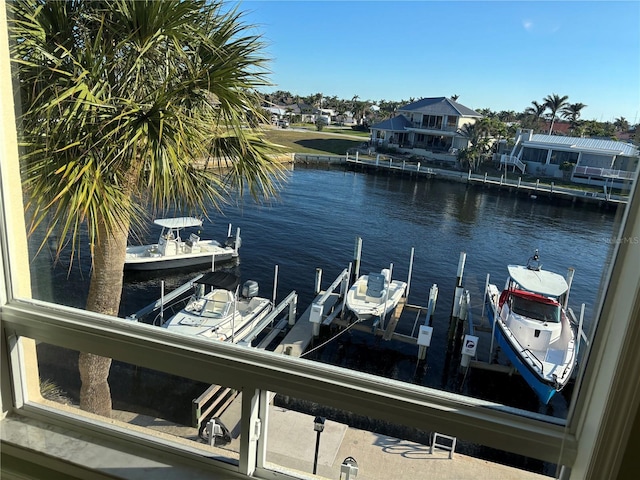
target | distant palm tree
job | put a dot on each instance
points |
(554, 103)
(455, 97)
(621, 124)
(535, 112)
(571, 112)
(120, 100)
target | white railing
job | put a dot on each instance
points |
(511, 160)
(604, 172)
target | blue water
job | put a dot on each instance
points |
(314, 224)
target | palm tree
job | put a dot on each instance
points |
(479, 134)
(621, 124)
(120, 99)
(572, 112)
(536, 110)
(554, 103)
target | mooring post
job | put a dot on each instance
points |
(455, 312)
(464, 309)
(356, 156)
(426, 331)
(377, 159)
(275, 285)
(431, 306)
(519, 181)
(318, 281)
(293, 310)
(357, 253)
(570, 272)
(537, 184)
(501, 179)
(383, 317)
(406, 294)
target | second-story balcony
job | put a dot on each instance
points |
(434, 128)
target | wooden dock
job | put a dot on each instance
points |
(532, 190)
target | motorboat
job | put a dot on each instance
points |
(374, 295)
(532, 328)
(216, 310)
(174, 249)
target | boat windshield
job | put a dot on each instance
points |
(545, 312)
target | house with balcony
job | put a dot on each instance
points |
(591, 161)
(429, 127)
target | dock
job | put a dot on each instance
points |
(532, 190)
(290, 439)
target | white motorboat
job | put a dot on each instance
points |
(174, 251)
(216, 311)
(374, 295)
(532, 328)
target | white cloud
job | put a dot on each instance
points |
(528, 25)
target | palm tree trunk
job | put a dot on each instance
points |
(105, 290)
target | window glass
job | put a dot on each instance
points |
(307, 437)
(143, 399)
(534, 155)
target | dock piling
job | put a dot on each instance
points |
(357, 254)
(455, 312)
(318, 283)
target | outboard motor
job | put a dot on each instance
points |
(249, 289)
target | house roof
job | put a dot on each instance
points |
(395, 124)
(440, 106)
(609, 146)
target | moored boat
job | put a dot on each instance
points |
(218, 311)
(532, 328)
(374, 295)
(174, 251)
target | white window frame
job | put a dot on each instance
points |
(591, 443)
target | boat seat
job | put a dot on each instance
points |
(375, 285)
(218, 305)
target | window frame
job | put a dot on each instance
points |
(591, 444)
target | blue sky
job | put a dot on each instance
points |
(500, 55)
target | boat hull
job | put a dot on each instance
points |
(544, 390)
(142, 258)
(544, 387)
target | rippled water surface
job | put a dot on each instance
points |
(314, 224)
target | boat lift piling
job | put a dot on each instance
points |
(383, 317)
(357, 254)
(570, 272)
(426, 331)
(406, 292)
(455, 312)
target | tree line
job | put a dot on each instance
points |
(541, 116)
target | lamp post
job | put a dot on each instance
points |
(318, 426)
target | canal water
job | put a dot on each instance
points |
(314, 224)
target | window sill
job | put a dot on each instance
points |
(32, 448)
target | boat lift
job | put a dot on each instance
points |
(290, 301)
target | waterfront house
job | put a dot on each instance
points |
(429, 127)
(589, 161)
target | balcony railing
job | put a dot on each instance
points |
(604, 173)
(439, 128)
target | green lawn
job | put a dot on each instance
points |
(311, 142)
